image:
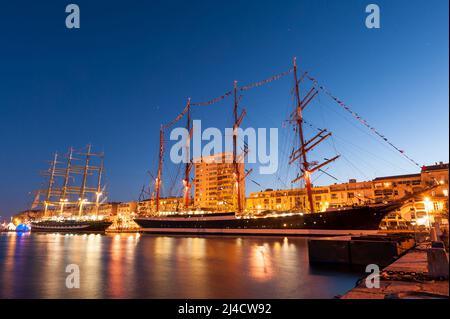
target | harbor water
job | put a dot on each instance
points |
(37, 265)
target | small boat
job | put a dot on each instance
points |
(10, 227)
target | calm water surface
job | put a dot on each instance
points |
(148, 266)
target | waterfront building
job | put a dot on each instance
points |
(170, 204)
(422, 209)
(166, 204)
(214, 191)
(215, 183)
(123, 220)
(108, 209)
(287, 199)
(27, 215)
(144, 207)
(127, 208)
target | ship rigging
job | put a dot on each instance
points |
(74, 180)
(298, 156)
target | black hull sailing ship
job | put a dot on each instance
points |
(345, 220)
(69, 207)
(67, 226)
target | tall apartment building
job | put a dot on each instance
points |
(215, 183)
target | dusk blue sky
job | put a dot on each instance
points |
(132, 65)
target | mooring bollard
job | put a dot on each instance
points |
(437, 263)
(433, 234)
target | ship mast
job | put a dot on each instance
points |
(303, 159)
(63, 198)
(235, 161)
(83, 184)
(188, 165)
(67, 174)
(306, 146)
(59, 184)
(50, 183)
(98, 193)
(160, 164)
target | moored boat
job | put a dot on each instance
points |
(73, 195)
(350, 220)
(72, 226)
(305, 216)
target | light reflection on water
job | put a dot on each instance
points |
(147, 266)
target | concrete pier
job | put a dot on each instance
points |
(381, 250)
(407, 278)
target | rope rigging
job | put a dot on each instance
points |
(360, 119)
(322, 104)
(213, 101)
(289, 138)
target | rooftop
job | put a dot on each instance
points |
(397, 177)
(435, 167)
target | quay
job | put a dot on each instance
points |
(361, 250)
(123, 231)
(415, 275)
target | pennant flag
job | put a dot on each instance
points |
(363, 121)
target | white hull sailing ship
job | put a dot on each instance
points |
(71, 203)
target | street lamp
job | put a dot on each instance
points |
(428, 207)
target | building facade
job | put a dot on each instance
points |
(215, 183)
(127, 208)
(166, 204)
(425, 208)
(215, 189)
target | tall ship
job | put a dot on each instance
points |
(304, 220)
(73, 194)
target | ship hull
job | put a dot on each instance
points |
(71, 226)
(349, 221)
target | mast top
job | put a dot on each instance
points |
(63, 186)
(305, 146)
